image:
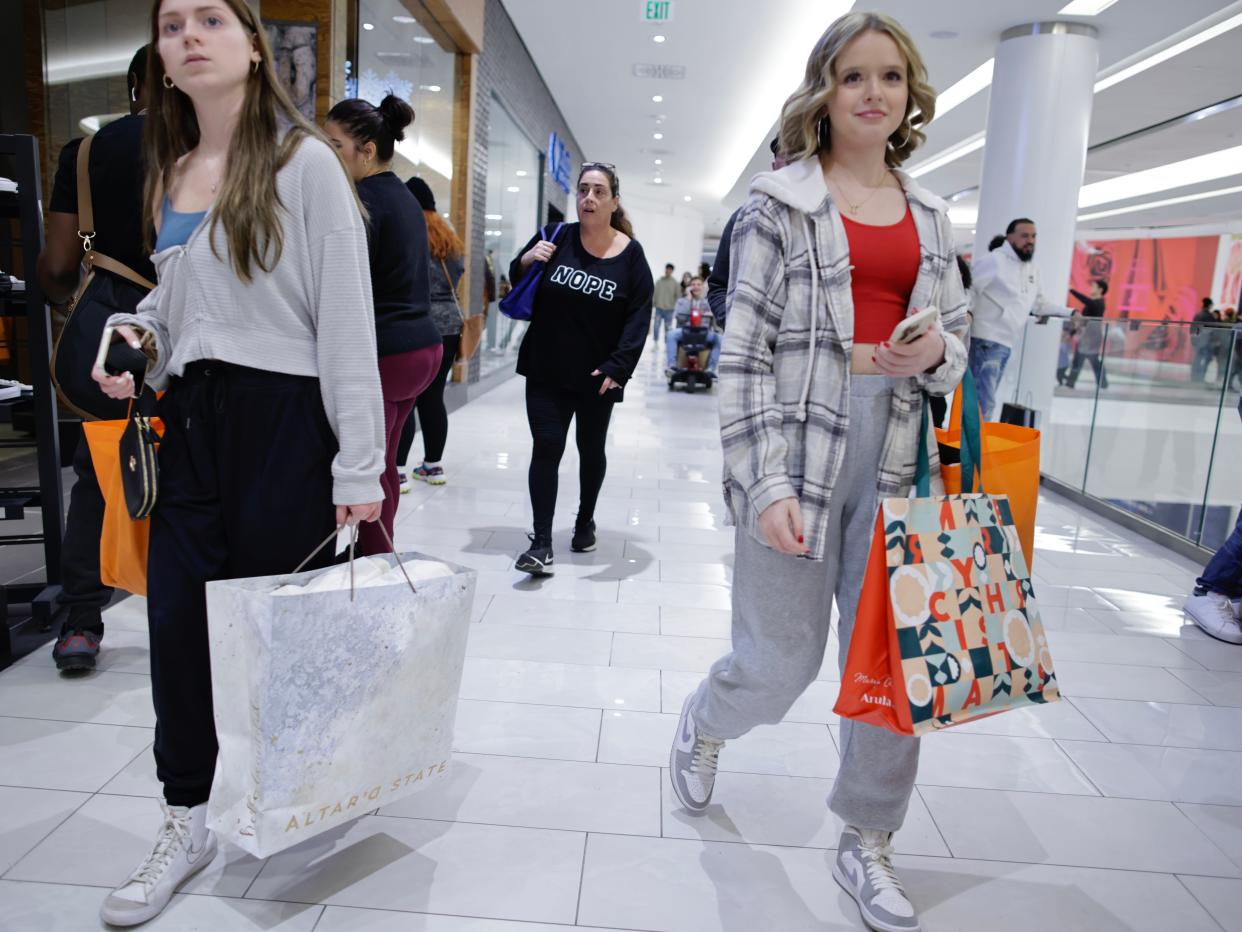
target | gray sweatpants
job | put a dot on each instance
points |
(782, 609)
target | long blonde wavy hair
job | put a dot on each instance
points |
(247, 205)
(800, 117)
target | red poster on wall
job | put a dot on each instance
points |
(1149, 280)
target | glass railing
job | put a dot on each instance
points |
(1144, 417)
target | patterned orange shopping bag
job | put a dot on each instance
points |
(948, 629)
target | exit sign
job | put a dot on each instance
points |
(657, 11)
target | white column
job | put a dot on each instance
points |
(1039, 116)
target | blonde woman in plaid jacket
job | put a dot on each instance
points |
(820, 416)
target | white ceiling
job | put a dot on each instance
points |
(731, 49)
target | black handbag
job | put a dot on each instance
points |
(1017, 414)
(108, 288)
(140, 469)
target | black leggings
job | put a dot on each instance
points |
(549, 411)
(429, 408)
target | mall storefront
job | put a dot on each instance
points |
(486, 138)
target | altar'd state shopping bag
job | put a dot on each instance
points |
(948, 629)
(330, 704)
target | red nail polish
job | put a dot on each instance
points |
(800, 539)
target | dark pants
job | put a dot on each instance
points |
(549, 411)
(1097, 366)
(81, 590)
(1223, 573)
(402, 376)
(245, 490)
(429, 411)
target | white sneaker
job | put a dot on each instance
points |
(864, 868)
(1214, 614)
(692, 762)
(182, 849)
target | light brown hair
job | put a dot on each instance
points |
(247, 206)
(808, 105)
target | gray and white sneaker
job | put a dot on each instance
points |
(183, 847)
(1214, 614)
(692, 762)
(864, 868)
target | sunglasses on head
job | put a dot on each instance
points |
(606, 166)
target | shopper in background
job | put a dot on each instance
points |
(115, 173)
(718, 280)
(265, 338)
(820, 415)
(1090, 328)
(696, 301)
(685, 283)
(667, 294)
(448, 264)
(1212, 605)
(1201, 338)
(407, 340)
(1007, 293)
(592, 310)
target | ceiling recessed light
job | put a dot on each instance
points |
(424, 40)
(434, 88)
(659, 161)
(404, 20)
(657, 181)
(513, 189)
(657, 38)
(521, 173)
(495, 216)
(657, 135)
(687, 198)
(657, 99)
(367, 26)
(1085, 7)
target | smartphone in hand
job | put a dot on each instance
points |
(914, 326)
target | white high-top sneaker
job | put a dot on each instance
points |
(182, 849)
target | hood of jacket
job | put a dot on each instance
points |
(801, 186)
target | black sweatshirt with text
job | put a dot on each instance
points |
(589, 314)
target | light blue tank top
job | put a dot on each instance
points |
(176, 226)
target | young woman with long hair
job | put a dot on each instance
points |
(265, 341)
(447, 266)
(820, 416)
(592, 310)
(409, 344)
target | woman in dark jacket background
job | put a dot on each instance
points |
(409, 343)
(447, 266)
(591, 317)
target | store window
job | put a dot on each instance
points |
(512, 216)
(397, 55)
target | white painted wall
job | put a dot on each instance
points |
(668, 233)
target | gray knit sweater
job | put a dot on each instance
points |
(310, 316)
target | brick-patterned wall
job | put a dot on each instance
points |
(506, 70)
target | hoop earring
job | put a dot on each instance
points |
(254, 67)
(823, 133)
(168, 82)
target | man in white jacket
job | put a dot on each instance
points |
(1007, 292)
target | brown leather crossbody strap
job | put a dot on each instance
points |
(86, 224)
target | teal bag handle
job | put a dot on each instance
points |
(972, 441)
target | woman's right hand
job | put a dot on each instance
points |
(540, 252)
(781, 525)
(120, 386)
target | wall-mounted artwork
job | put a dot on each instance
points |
(296, 50)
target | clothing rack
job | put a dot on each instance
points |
(19, 159)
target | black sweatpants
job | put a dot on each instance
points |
(82, 592)
(429, 411)
(549, 411)
(245, 490)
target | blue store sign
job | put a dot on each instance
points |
(558, 162)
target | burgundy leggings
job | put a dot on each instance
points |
(402, 376)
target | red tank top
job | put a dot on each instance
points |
(885, 264)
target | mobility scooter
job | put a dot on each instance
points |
(693, 353)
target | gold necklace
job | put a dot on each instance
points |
(854, 208)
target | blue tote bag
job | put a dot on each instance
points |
(519, 303)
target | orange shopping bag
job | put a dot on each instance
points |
(123, 543)
(947, 629)
(1010, 465)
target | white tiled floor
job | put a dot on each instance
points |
(1118, 809)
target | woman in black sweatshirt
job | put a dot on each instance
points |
(409, 343)
(590, 320)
